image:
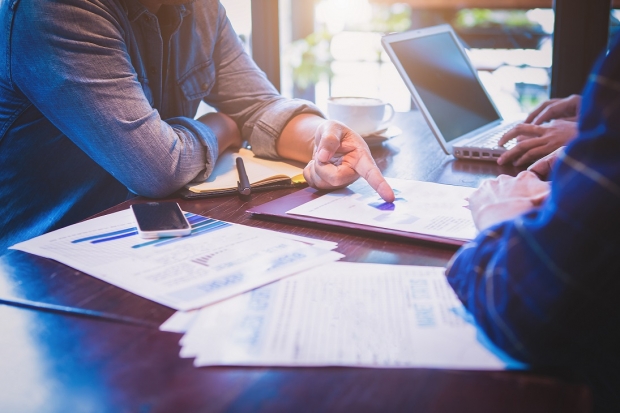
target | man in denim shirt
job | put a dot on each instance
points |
(97, 100)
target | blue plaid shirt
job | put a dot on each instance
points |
(545, 286)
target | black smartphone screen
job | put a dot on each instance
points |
(158, 216)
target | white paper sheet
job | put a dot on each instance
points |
(420, 207)
(346, 314)
(180, 322)
(217, 261)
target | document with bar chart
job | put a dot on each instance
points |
(425, 208)
(218, 260)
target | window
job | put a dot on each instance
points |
(332, 48)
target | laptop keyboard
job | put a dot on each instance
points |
(489, 140)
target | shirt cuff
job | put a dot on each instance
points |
(207, 139)
(268, 129)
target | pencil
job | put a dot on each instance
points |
(79, 312)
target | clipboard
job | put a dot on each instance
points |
(276, 211)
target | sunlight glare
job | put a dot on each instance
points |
(337, 15)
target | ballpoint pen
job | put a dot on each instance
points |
(243, 185)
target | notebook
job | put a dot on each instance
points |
(263, 174)
(446, 88)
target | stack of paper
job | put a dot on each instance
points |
(325, 313)
(218, 260)
(341, 314)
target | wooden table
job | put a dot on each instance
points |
(59, 363)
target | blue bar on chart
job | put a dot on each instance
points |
(200, 225)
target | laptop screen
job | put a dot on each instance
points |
(444, 80)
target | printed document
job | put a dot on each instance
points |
(218, 260)
(420, 207)
(180, 322)
(344, 314)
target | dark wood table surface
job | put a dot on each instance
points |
(61, 363)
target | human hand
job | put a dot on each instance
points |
(340, 158)
(536, 141)
(543, 166)
(506, 197)
(567, 109)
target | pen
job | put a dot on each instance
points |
(243, 185)
(80, 312)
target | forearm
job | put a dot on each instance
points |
(244, 93)
(297, 139)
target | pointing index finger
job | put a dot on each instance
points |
(368, 170)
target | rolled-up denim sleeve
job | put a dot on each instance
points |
(243, 92)
(194, 129)
(71, 61)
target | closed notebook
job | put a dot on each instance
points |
(262, 173)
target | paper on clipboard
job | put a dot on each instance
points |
(453, 224)
(420, 207)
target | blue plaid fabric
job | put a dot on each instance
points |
(545, 286)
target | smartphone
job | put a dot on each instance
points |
(160, 219)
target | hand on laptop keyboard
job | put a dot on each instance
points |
(491, 139)
(492, 142)
(531, 142)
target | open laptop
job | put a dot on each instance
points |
(446, 88)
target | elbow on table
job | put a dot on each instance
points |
(160, 177)
(157, 188)
(529, 341)
(156, 193)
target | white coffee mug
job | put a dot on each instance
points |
(363, 115)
